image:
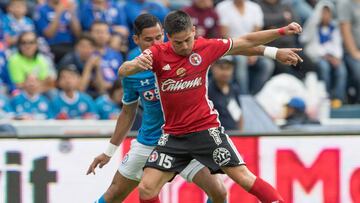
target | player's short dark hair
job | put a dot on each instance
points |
(144, 21)
(177, 21)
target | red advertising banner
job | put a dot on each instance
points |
(317, 169)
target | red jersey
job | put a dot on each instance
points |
(182, 83)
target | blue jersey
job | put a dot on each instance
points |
(76, 108)
(44, 15)
(107, 109)
(142, 86)
(114, 15)
(5, 80)
(1, 26)
(110, 62)
(14, 27)
(37, 107)
(5, 105)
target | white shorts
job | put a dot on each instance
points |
(131, 166)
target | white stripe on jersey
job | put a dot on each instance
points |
(162, 109)
(209, 102)
(241, 161)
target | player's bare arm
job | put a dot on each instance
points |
(287, 56)
(262, 37)
(123, 125)
(140, 63)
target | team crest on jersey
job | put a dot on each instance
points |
(153, 156)
(195, 59)
(215, 134)
(221, 156)
(163, 139)
(181, 72)
(149, 95)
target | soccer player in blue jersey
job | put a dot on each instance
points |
(141, 87)
(109, 105)
(30, 104)
(71, 103)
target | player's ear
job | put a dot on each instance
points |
(193, 29)
(168, 36)
(136, 39)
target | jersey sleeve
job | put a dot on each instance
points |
(218, 47)
(130, 95)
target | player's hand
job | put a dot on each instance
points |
(100, 161)
(292, 29)
(144, 61)
(288, 56)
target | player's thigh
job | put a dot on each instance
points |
(120, 187)
(191, 170)
(212, 184)
(153, 180)
(131, 166)
(216, 150)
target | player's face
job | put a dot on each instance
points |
(183, 42)
(149, 36)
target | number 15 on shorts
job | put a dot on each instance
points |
(164, 161)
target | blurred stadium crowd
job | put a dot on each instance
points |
(59, 58)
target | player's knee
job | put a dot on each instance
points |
(146, 190)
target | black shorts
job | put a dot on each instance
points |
(212, 147)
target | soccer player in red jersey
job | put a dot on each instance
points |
(192, 129)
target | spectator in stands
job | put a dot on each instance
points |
(6, 85)
(59, 25)
(225, 95)
(302, 9)
(6, 111)
(237, 18)
(205, 18)
(322, 39)
(105, 11)
(100, 71)
(30, 103)
(27, 60)
(349, 17)
(16, 21)
(296, 113)
(109, 105)
(1, 31)
(133, 8)
(277, 15)
(71, 103)
(84, 49)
